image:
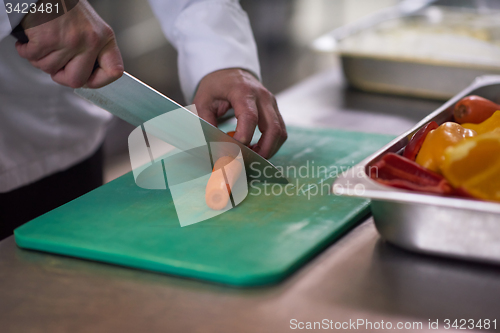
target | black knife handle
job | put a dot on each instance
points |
(20, 35)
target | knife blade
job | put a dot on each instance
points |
(136, 103)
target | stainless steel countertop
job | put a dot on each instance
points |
(358, 277)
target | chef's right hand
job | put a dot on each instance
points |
(68, 47)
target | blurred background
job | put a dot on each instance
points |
(284, 31)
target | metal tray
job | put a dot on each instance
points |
(446, 226)
(400, 77)
(400, 74)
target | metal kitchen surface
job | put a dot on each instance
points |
(359, 276)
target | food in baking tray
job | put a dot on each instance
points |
(441, 36)
(450, 159)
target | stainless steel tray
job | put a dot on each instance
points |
(447, 226)
(402, 74)
(409, 78)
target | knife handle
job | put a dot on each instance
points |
(20, 35)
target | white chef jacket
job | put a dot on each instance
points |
(46, 128)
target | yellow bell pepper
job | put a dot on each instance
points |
(474, 165)
(489, 125)
(431, 154)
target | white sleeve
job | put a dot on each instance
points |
(5, 27)
(9, 21)
(209, 35)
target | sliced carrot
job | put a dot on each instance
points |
(231, 133)
(218, 190)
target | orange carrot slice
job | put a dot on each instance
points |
(218, 190)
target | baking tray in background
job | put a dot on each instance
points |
(418, 48)
(447, 226)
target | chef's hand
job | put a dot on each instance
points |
(252, 103)
(67, 48)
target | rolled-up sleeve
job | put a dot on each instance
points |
(209, 35)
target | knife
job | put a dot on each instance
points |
(136, 103)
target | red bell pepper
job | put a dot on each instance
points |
(397, 171)
(413, 147)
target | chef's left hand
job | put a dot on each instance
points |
(253, 105)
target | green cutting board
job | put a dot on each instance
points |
(261, 241)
